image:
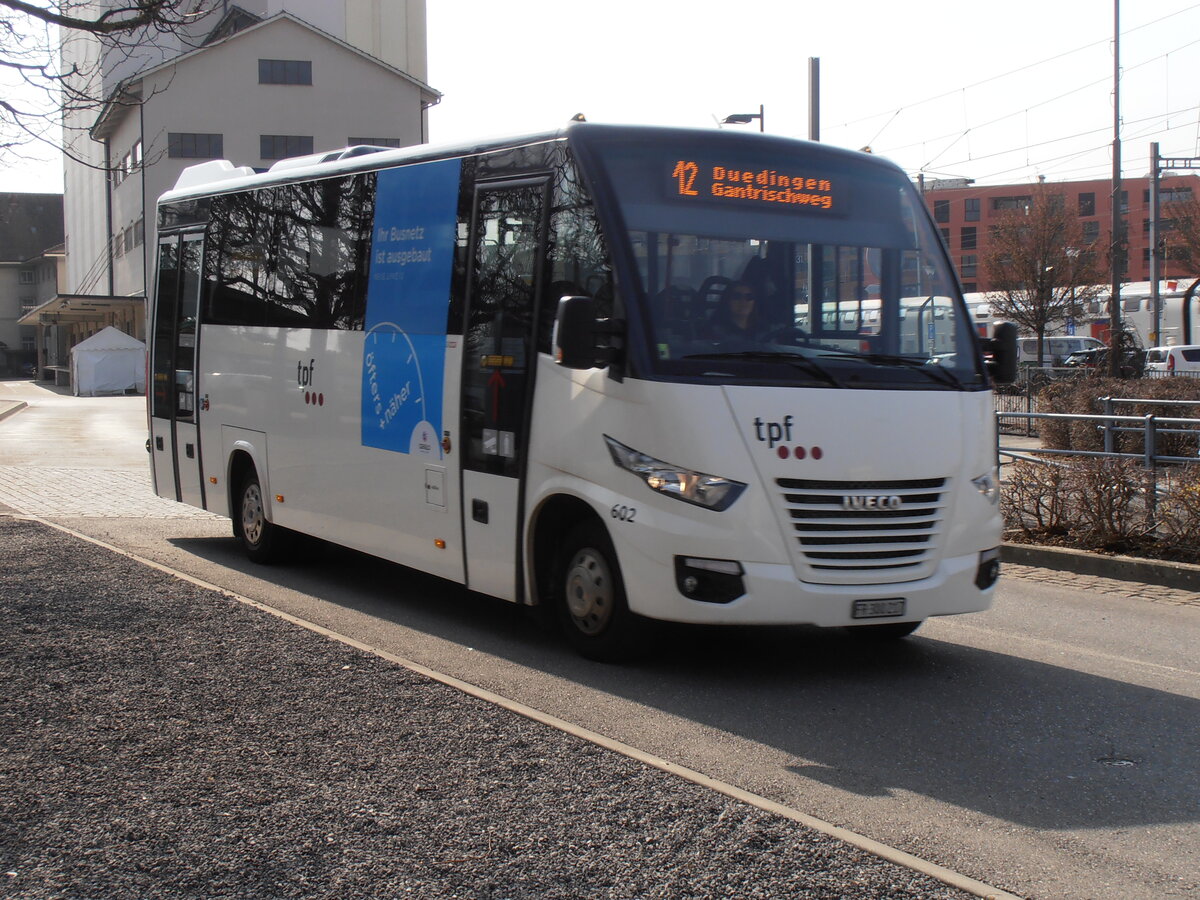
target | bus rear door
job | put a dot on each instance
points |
(498, 365)
(175, 443)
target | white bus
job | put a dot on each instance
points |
(499, 363)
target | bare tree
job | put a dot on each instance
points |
(41, 90)
(1041, 268)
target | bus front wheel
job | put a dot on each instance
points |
(591, 598)
(263, 541)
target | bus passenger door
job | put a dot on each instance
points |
(174, 438)
(498, 364)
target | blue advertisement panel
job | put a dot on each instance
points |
(408, 295)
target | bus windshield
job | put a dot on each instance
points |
(819, 269)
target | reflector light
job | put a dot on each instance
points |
(212, 479)
(440, 544)
(279, 498)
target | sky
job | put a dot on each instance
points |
(999, 92)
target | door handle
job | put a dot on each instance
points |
(479, 511)
(190, 450)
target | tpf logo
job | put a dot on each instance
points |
(776, 432)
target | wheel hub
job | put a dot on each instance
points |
(589, 591)
(252, 514)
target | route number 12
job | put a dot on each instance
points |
(686, 171)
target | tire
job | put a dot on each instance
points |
(590, 598)
(886, 631)
(263, 541)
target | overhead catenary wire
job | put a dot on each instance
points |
(946, 142)
(1017, 71)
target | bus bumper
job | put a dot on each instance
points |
(774, 596)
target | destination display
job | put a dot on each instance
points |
(773, 187)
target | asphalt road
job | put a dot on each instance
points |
(1050, 746)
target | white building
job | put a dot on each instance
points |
(31, 228)
(253, 82)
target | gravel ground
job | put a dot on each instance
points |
(160, 740)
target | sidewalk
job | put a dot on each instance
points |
(164, 740)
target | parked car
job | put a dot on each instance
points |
(1132, 365)
(1055, 350)
(1176, 358)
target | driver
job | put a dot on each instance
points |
(736, 315)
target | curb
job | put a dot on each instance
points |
(9, 407)
(1182, 576)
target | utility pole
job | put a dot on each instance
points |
(1158, 165)
(814, 98)
(1115, 343)
(1155, 259)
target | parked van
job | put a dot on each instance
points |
(1055, 350)
(1177, 358)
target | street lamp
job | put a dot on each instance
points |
(746, 119)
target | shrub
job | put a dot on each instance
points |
(1106, 495)
(1033, 499)
(1092, 504)
(1179, 510)
(1082, 396)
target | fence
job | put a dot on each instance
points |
(1151, 428)
(1019, 400)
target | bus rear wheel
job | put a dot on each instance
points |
(591, 598)
(263, 541)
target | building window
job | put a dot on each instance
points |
(971, 209)
(969, 238)
(135, 155)
(373, 142)
(25, 276)
(283, 146)
(1173, 195)
(139, 232)
(970, 267)
(1011, 204)
(941, 210)
(284, 71)
(28, 304)
(119, 244)
(121, 172)
(945, 232)
(186, 145)
(970, 287)
(1087, 204)
(1091, 232)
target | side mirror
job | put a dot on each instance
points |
(1001, 349)
(578, 333)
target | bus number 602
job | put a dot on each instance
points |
(623, 513)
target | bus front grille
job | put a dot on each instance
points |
(865, 530)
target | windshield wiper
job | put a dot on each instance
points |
(934, 372)
(797, 360)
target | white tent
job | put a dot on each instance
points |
(109, 362)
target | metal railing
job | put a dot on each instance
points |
(1150, 426)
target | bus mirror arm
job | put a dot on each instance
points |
(1001, 353)
(581, 340)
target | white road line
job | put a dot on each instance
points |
(862, 842)
(1075, 649)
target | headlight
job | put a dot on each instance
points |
(989, 486)
(710, 491)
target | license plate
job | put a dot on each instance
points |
(878, 609)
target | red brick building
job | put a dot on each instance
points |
(965, 212)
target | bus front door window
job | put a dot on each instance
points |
(506, 263)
